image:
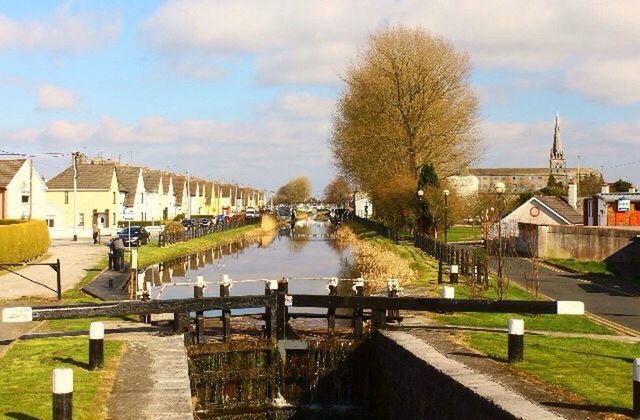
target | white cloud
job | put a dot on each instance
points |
(312, 41)
(54, 97)
(303, 105)
(61, 31)
(614, 80)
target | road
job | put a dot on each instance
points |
(614, 300)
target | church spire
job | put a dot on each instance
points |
(557, 163)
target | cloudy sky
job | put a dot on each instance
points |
(244, 90)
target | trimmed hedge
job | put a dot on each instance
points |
(23, 240)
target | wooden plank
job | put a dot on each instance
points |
(426, 304)
(121, 308)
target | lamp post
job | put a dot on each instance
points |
(446, 207)
(500, 188)
(419, 211)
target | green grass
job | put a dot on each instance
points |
(584, 266)
(152, 253)
(597, 370)
(464, 233)
(77, 295)
(27, 370)
(76, 324)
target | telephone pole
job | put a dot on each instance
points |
(74, 157)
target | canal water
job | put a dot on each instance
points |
(304, 252)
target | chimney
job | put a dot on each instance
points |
(604, 189)
(573, 195)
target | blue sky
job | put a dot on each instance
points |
(244, 90)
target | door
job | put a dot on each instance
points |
(102, 220)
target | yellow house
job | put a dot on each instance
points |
(98, 191)
(22, 191)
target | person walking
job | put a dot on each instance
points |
(96, 232)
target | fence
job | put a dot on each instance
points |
(166, 238)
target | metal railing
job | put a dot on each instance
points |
(167, 238)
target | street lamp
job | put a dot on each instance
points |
(500, 188)
(446, 196)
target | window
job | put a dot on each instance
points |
(50, 222)
(114, 197)
(114, 218)
(141, 198)
(66, 197)
(81, 221)
(25, 199)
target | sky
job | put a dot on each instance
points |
(244, 91)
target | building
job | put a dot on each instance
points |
(22, 191)
(519, 180)
(612, 209)
(98, 192)
(362, 205)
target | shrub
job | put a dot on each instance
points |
(145, 223)
(173, 227)
(23, 240)
(178, 217)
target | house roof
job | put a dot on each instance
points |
(151, 179)
(89, 177)
(178, 187)
(562, 208)
(8, 169)
(128, 177)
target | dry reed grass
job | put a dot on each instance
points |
(375, 263)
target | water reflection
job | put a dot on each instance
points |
(301, 251)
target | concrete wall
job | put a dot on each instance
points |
(584, 242)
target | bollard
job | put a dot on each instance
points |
(453, 273)
(225, 291)
(358, 287)
(96, 345)
(448, 292)
(515, 349)
(331, 312)
(62, 397)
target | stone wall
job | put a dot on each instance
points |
(413, 380)
(584, 242)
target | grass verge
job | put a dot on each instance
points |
(152, 253)
(464, 233)
(597, 370)
(27, 370)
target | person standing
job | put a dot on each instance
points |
(119, 246)
(112, 254)
(94, 227)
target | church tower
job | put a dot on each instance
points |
(557, 162)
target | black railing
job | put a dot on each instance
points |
(167, 238)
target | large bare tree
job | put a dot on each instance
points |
(338, 191)
(407, 103)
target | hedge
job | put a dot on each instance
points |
(23, 240)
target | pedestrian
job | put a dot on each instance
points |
(112, 254)
(96, 231)
(119, 256)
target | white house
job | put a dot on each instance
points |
(362, 205)
(22, 192)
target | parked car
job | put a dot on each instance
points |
(189, 223)
(251, 213)
(134, 236)
(205, 222)
(221, 218)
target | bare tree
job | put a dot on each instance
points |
(297, 190)
(338, 191)
(407, 102)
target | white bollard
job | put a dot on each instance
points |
(96, 345)
(62, 397)
(636, 387)
(515, 346)
(448, 292)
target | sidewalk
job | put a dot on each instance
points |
(76, 259)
